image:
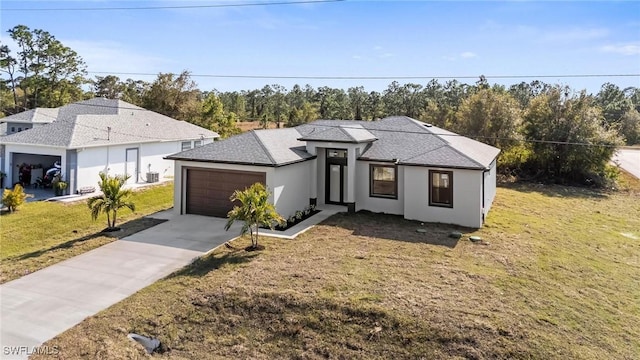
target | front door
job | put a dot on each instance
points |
(131, 165)
(336, 177)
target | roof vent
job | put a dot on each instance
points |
(427, 125)
(147, 124)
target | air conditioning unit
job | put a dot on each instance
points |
(153, 177)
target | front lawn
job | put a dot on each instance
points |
(43, 233)
(556, 278)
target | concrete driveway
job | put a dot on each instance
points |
(39, 306)
(629, 159)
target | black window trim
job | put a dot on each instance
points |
(395, 177)
(450, 173)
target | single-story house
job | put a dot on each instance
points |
(395, 165)
(99, 135)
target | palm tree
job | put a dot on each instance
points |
(113, 198)
(254, 210)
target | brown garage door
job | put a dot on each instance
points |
(208, 191)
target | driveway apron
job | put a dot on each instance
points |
(629, 160)
(41, 305)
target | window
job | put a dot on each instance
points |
(336, 153)
(441, 188)
(13, 129)
(186, 145)
(384, 181)
(19, 129)
(197, 143)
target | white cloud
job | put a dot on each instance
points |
(468, 55)
(386, 55)
(623, 49)
(377, 48)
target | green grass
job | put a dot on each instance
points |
(556, 277)
(42, 233)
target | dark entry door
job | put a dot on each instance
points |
(336, 177)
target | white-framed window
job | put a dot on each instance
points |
(186, 145)
(197, 143)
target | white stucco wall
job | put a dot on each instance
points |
(467, 197)
(180, 175)
(111, 159)
(290, 187)
(152, 158)
(377, 204)
(91, 162)
(11, 169)
(489, 187)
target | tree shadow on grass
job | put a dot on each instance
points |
(395, 227)
(203, 265)
(127, 229)
(558, 191)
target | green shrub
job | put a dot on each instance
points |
(607, 178)
(14, 198)
(512, 160)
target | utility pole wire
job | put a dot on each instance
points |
(176, 6)
(403, 77)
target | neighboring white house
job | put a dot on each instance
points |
(98, 135)
(396, 165)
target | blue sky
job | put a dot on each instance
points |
(350, 38)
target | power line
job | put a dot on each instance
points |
(176, 6)
(403, 77)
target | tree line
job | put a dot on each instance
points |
(546, 131)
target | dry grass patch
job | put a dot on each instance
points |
(557, 280)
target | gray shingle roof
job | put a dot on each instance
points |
(273, 147)
(352, 133)
(37, 115)
(399, 138)
(86, 123)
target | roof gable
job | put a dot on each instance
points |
(352, 133)
(273, 147)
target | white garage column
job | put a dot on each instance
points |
(351, 180)
(313, 182)
(178, 190)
